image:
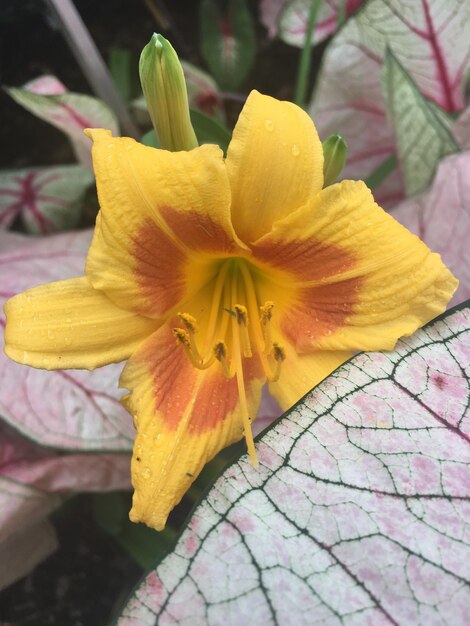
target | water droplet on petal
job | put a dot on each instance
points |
(295, 150)
(269, 125)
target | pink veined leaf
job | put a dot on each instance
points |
(440, 216)
(69, 112)
(32, 483)
(72, 410)
(47, 199)
(358, 513)
(430, 41)
(289, 18)
(203, 93)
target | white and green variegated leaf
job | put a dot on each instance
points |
(359, 511)
(422, 136)
(46, 199)
(429, 39)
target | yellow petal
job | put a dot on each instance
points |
(301, 372)
(274, 162)
(358, 280)
(68, 324)
(164, 215)
(183, 417)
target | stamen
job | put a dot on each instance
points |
(182, 337)
(189, 322)
(279, 355)
(242, 319)
(237, 357)
(220, 353)
(185, 339)
(265, 318)
(191, 326)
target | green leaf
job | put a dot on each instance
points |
(422, 136)
(150, 139)
(120, 67)
(143, 544)
(228, 42)
(209, 130)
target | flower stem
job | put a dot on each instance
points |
(306, 55)
(381, 172)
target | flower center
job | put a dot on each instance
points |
(237, 327)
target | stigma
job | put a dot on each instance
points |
(236, 328)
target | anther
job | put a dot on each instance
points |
(220, 353)
(265, 318)
(182, 337)
(189, 322)
(241, 313)
(279, 355)
(266, 312)
(278, 352)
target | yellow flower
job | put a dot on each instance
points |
(212, 276)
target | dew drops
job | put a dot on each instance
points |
(269, 125)
(295, 150)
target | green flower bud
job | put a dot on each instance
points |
(164, 87)
(335, 151)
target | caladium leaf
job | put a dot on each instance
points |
(357, 514)
(31, 480)
(430, 41)
(422, 136)
(228, 41)
(46, 85)
(203, 93)
(289, 18)
(440, 216)
(76, 410)
(293, 19)
(461, 129)
(47, 199)
(70, 113)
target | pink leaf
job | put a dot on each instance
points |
(46, 198)
(461, 129)
(77, 410)
(47, 85)
(358, 513)
(429, 40)
(31, 479)
(289, 18)
(440, 216)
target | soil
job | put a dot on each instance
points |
(90, 575)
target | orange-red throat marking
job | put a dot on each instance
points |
(237, 327)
